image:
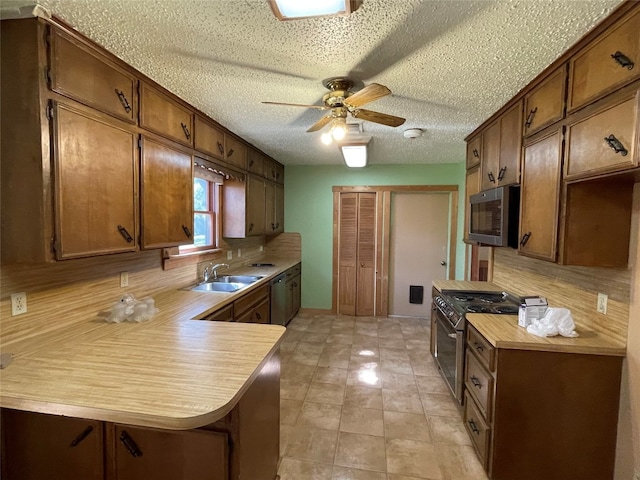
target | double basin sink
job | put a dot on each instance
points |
(226, 283)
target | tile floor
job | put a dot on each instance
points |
(361, 399)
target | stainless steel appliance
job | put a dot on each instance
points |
(450, 308)
(279, 299)
(495, 217)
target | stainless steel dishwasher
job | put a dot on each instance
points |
(279, 299)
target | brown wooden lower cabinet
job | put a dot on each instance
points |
(245, 444)
(535, 415)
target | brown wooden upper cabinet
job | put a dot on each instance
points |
(208, 138)
(235, 152)
(162, 114)
(273, 171)
(166, 195)
(82, 74)
(255, 161)
(540, 195)
(544, 104)
(607, 63)
(274, 208)
(243, 207)
(474, 151)
(605, 140)
(93, 217)
(472, 186)
(501, 144)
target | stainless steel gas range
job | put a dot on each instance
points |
(449, 309)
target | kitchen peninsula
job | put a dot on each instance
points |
(168, 398)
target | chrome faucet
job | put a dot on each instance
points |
(212, 269)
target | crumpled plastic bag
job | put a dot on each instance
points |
(556, 321)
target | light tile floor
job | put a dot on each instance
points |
(361, 399)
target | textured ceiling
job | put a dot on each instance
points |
(450, 64)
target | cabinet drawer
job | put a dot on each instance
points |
(481, 347)
(474, 151)
(235, 152)
(243, 304)
(161, 114)
(259, 314)
(592, 142)
(255, 162)
(80, 73)
(208, 139)
(479, 383)
(225, 314)
(477, 428)
(602, 65)
(544, 105)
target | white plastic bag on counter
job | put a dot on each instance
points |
(555, 321)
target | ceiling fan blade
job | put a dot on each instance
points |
(368, 94)
(377, 117)
(320, 124)
(317, 107)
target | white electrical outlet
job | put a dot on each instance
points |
(229, 255)
(124, 279)
(239, 252)
(262, 248)
(18, 303)
(602, 303)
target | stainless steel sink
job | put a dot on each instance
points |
(246, 279)
(218, 287)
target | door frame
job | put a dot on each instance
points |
(383, 231)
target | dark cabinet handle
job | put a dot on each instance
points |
(277, 175)
(220, 148)
(476, 153)
(622, 60)
(125, 234)
(250, 226)
(501, 173)
(186, 131)
(479, 346)
(84, 434)
(251, 163)
(130, 444)
(273, 226)
(295, 284)
(475, 381)
(230, 152)
(273, 173)
(525, 239)
(473, 426)
(532, 114)
(258, 316)
(186, 230)
(616, 145)
(492, 179)
(123, 100)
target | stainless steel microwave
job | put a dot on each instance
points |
(494, 216)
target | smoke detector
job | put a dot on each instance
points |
(412, 133)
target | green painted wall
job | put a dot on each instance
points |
(309, 211)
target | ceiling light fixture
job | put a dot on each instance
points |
(354, 153)
(296, 9)
(412, 133)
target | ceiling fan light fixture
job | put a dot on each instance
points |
(339, 131)
(295, 9)
(326, 138)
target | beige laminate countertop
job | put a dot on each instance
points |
(169, 372)
(502, 331)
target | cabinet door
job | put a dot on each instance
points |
(270, 207)
(510, 145)
(208, 139)
(539, 197)
(167, 196)
(366, 238)
(37, 446)
(169, 454)
(80, 73)
(605, 141)
(474, 151)
(163, 115)
(490, 156)
(225, 314)
(259, 314)
(472, 187)
(255, 206)
(296, 293)
(544, 105)
(279, 171)
(235, 152)
(93, 217)
(279, 208)
(602, 66)
(255, 162)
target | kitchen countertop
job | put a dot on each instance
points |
(169, 372)
(502, 331)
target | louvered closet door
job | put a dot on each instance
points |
(356, 262)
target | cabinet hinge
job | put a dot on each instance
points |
(47, 76)
(49, 111)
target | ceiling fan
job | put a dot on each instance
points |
(341, 102)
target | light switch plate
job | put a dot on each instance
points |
(124, 279)
(229, 255)
(239, 252)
